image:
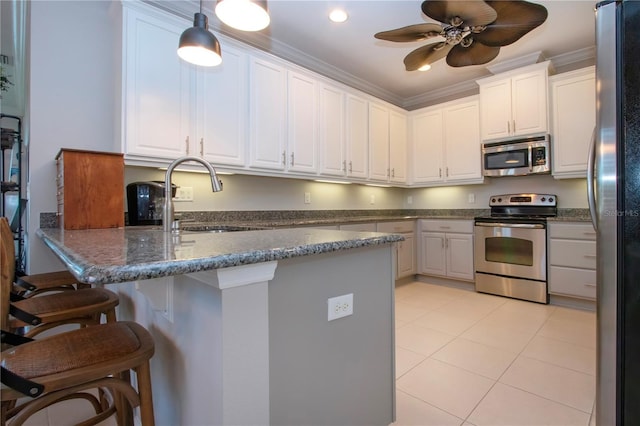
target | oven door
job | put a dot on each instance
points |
(511, 249)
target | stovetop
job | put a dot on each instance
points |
(521, 207)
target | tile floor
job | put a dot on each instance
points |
(466, 358)
(470, 359)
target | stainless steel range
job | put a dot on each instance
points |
(510, 246)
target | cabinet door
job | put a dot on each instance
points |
(406, 258)
(495, 109)
(331, 128)
(432, 254)
(357, 126)
(460, 256)
(462, 142)
(529, 103)
(378, 142)
(573, 113)
(397, 147)
(267, 103)
(427, 136)
(302, 119)
(222, 105)
(158, 86)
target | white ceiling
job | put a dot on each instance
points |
(301, 32)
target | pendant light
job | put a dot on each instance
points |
(245, 15)
(198, 45)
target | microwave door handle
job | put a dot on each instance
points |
(530, 158)
(591, 194)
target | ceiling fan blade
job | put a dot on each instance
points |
(515, 19)
(476, 54)
(426, 55)
(415, 32)
(472, 12)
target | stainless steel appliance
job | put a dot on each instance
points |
(145, 201)
(614, 200)
(510, 246)
(517, 157)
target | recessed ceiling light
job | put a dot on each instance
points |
(338, 15)
(425, 67)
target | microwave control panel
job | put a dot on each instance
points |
(538, 156)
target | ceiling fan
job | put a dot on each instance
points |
(473, 30)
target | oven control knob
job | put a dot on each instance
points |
(543, 199)
(499, 200)
(551, 199)
(493, 200)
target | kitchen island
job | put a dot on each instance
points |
(240, 320)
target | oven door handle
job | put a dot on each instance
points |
(511, 225)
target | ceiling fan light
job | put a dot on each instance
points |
(244, 15)
(425, 67)
(198, 45)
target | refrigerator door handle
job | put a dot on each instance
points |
(591, 194)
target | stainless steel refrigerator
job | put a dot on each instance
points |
(614, 200)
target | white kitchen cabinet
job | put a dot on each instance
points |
(267, 114)
(446, 143)
(172, 108)
(573, 118)
(302, 123)
(387, 144)
(357, 137)
(446, 248)
(283, 118)
(572, 260)
(405, 255)
(332, 131)
(514, 103)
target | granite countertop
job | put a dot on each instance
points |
(102, 256)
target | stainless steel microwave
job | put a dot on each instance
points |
(517, 157)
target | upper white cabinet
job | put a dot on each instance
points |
(573, 118)
(332, 134)
(344, 133)
(172, 108)
(267, 114)
(302, 122)
(283, 118)
(387, 144)
(446, 143)
(514, 103)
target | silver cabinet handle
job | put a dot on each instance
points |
(508, 127)
(439, 171)
(201, 147)
(590, 285)
(292, 159)
(350, 167)
(284, 158)
(514, 126)
(186, 145)
(590, 256)
(344, 165)
(447, 171)
(393, 172)
(444, 227)
(591, 193)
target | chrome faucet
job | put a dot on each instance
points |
(167, 209)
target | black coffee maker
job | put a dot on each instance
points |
(145, 201)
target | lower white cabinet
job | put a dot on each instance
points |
(572, 260)
(446, 248)
(405, 250)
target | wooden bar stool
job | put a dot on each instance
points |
(66, 365)
(34, 315)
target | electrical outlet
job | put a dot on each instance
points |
(340, 306)
(307, 198)
(472, 198)
(372, 199)
(410, 199)
(184, 193)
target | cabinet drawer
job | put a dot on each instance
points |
(572, 282)
(397, 226)
(359, 227)
(574, 231)
(459, 226)
(574, 253)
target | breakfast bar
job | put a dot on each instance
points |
(241, 319)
